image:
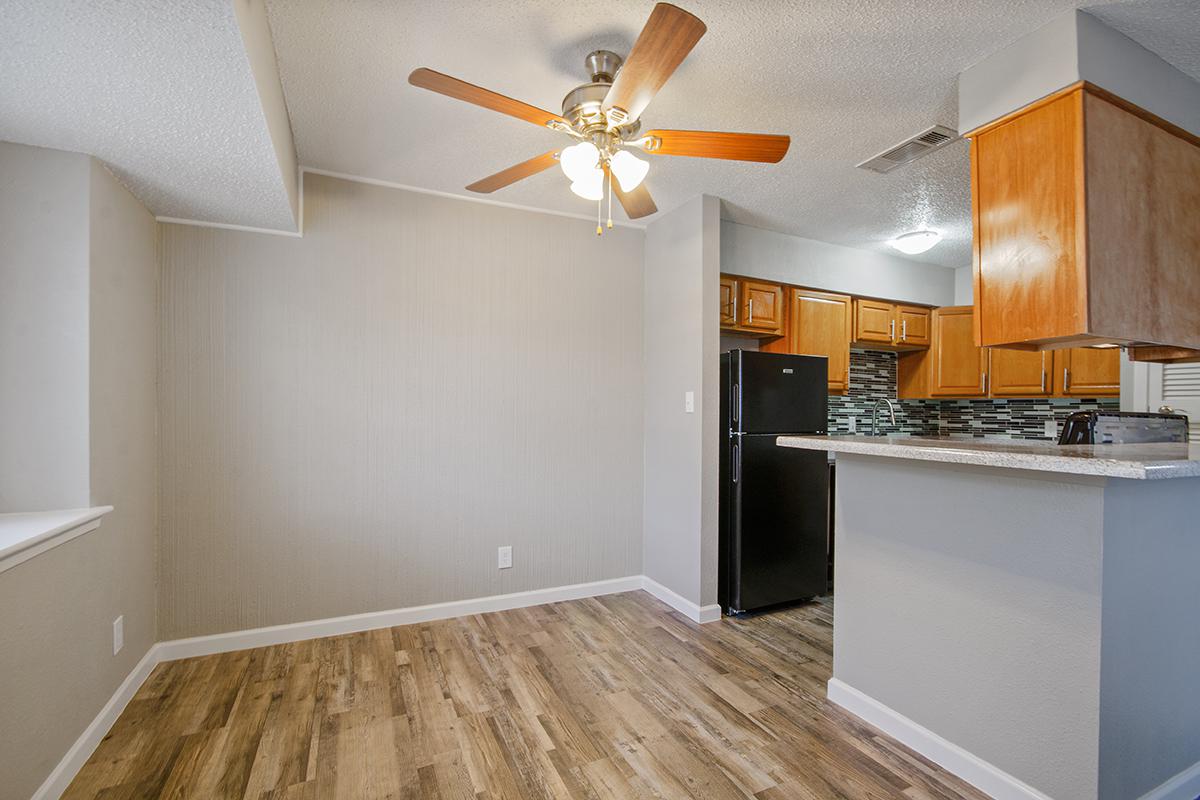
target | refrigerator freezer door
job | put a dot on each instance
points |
(778, 528)
(778, 393)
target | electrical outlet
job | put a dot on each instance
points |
(504, 557)
(118, 634)
(1051, 429)
(689, 402)
(854, 424)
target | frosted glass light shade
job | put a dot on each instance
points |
(628, 169)
(579, 160)
(591, 187)
(916, 242)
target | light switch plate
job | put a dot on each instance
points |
(118, 634)
(504, 557)
(1051, 429)
(689, 402)
(854, 424)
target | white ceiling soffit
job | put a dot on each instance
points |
(165, 92)
(844, 79)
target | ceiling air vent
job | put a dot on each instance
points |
(911, 149)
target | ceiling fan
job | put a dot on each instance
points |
(604, 116)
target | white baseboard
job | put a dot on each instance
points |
(66, 770)
(974, 770)
(1184, 786)
(355, 623)
(692, 611)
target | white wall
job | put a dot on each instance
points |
(43, 329)
(964, 286)
(759, 253)
(681, 350)
(355, 420)
(56, 633)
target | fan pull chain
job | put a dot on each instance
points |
(599, 205)
(610, 199)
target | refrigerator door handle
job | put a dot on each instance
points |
(737, 406)
(737, 463)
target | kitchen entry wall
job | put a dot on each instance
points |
(873, 375)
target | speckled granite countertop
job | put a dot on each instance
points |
(1138, 461)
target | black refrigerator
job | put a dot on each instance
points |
(774, 501)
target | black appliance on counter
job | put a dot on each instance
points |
(1122, 427)
(774, 501)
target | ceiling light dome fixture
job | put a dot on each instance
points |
(916, 242)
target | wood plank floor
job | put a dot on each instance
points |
(611, 697)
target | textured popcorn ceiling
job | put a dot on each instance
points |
(846, 79)
(160, 90)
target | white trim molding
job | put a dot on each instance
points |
(984, 776)
(694, 612)
(25, 535)
(299, 233)
(66, 769)
(1184, 786)
(355, 623)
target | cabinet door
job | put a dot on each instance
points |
(959, 367)
(1089, 372)
(729, 302)
(874, 321)
(1020, 373)
(912, 326)
(821, 326)
(761, 306)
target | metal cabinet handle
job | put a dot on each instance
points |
(892, 330)
(750, 309)
(904, 330)
(1066, 379)
(1043, 380)
(983, 381)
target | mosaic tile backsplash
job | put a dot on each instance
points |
(873, 375)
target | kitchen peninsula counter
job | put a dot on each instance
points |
(1021, 612)
(1136, 461)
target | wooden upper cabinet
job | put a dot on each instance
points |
(874, 321)
(1020, 373)
(912, 326)
(820, 325)
(1085, 239)
(1088, 372)
(958, 368)
(886, 326)
(761, 306)
(750, 306)
(729, 302)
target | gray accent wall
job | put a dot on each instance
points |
(1072, 47)
(84, 264)
(355, 420)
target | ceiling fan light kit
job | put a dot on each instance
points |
(604, 117)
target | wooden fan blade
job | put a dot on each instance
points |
(637, 203)
(469, 92)
(515, 173)
(765, 147)
(669, 35)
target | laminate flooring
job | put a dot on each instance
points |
(609, 697)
